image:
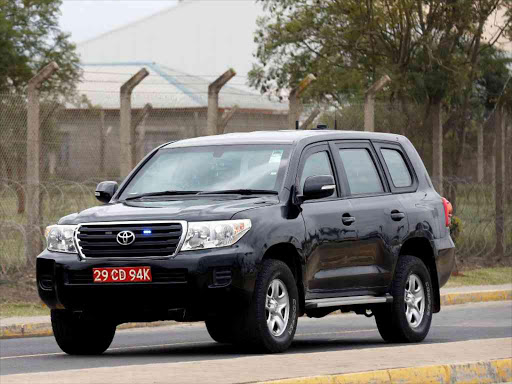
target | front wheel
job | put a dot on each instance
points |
(271, 319)
(409, 317)
(77, 336)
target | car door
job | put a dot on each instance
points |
(328, 240)
(380, 218)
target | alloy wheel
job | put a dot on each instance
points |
(277, 307)
(414, 300)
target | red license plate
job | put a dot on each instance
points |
(122, 275)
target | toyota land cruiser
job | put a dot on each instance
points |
(248, 232)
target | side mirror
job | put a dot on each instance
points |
(105, 190)
(318, 187)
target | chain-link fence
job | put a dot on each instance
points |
(80, 146)
(473, 195)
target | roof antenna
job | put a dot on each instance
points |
(297, 125)
(335, 124)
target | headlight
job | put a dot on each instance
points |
(214, 234)
(60, 238)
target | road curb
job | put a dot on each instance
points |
(475, 297)
(45, 329)
(493, 371)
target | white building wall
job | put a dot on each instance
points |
(198, 37)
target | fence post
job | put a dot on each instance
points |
(214, 88)
(196, 128)
(499, 124)
(294, 108)
(126, 132)
(33, 243)
(437, 146)
(139, 138)
(369, 103)
(480, 154)
(313, 115)
(228, 115)
(508, 165)
(102, 139)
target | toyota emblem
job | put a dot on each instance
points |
(125, 237)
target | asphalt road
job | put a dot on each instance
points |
(192, 342)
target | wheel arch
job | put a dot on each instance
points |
(288, 254)
(423, 249)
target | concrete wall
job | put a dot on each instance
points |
(80, 152)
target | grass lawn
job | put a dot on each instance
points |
(22, 309)
(482, 276)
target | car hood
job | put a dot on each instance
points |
(194, 208)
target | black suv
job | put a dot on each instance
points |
(249, 231)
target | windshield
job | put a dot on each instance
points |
(212, 168)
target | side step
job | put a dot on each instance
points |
(351, 300)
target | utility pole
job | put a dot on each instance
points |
(369, 103)
(212, 124)
(126, 135)
(32, 207)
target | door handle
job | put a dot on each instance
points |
(347, 219)
(397, 215)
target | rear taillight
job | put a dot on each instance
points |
(448, 210)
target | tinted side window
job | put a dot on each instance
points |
(397, 168)
(361, 173)
(315, 165)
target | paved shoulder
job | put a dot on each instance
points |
(249, 369)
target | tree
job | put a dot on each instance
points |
(427, 46)
(430, 48)
(30, 38)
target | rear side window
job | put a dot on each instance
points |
(362, 175)
(398, 170)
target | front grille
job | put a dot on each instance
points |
(170, 276)
(151, 239)
(175, 276)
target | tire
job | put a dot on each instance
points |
(406, 320)
(275, 280)
(76, 336)
(221, 330)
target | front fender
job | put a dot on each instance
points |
(271, 226)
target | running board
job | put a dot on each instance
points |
(351, 300)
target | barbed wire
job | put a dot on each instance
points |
(80, 147)
(155, 75)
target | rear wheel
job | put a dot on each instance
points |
(271, 319)
(77, 336)
(409, 317)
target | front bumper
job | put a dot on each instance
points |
(197, 283)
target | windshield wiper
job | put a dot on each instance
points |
(240, 192)
(162, 193)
